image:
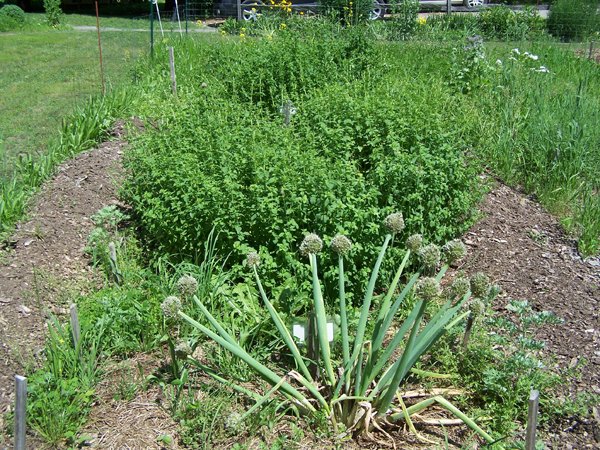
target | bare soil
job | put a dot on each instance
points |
(517, 243)
(523, 249)
(46, 253)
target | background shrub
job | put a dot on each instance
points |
(574, 19)
(11, 18)
(53, 12)
(503, 23)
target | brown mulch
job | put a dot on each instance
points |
(130, 420)
(523, 249)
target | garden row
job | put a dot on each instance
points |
(319, 128)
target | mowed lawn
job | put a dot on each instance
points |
(44, 75)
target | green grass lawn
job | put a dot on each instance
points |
(46, 74)
(72, 20)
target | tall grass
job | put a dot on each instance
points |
(545, 136)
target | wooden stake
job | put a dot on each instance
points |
(534, 401)
(591, 52)
(468, 330)
(239, 9)
(112, 254)
(172, 65)
(75, 328)
(20, 411)
(100, 50)
(448, 6)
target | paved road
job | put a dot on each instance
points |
(145, 30)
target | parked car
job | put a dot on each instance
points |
(251, 8)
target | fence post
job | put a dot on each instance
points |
(100, 50)
(534, 401)
(172, 66)
(185, 12)
(20, 411)
(75, 327)
(239, 9)
(591, 52)
(448, 6)
(151, 28)
(114, 267)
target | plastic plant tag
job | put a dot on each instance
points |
(298, 330)
(330, 331)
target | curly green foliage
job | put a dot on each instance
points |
(359, 148)
(293, 63)
(403, 141)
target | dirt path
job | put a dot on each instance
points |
(47, 254)
(523, 249)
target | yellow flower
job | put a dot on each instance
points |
(283, 26)
(422, 20)
(242, 35)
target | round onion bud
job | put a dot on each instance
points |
(253, 259)
(187, 285)
(233, 421)
(428, 288)
(454, 251)
(430, 256)
(394, 223)
(170, 307)
(459, 287)
(477, 307)
(312, 243)
(183, 350)
(341, 244)
(480, 285)
(414, 242)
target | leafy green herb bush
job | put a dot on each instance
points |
(574, 19)
(355, 150)
(258, 190)
(407, 140)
